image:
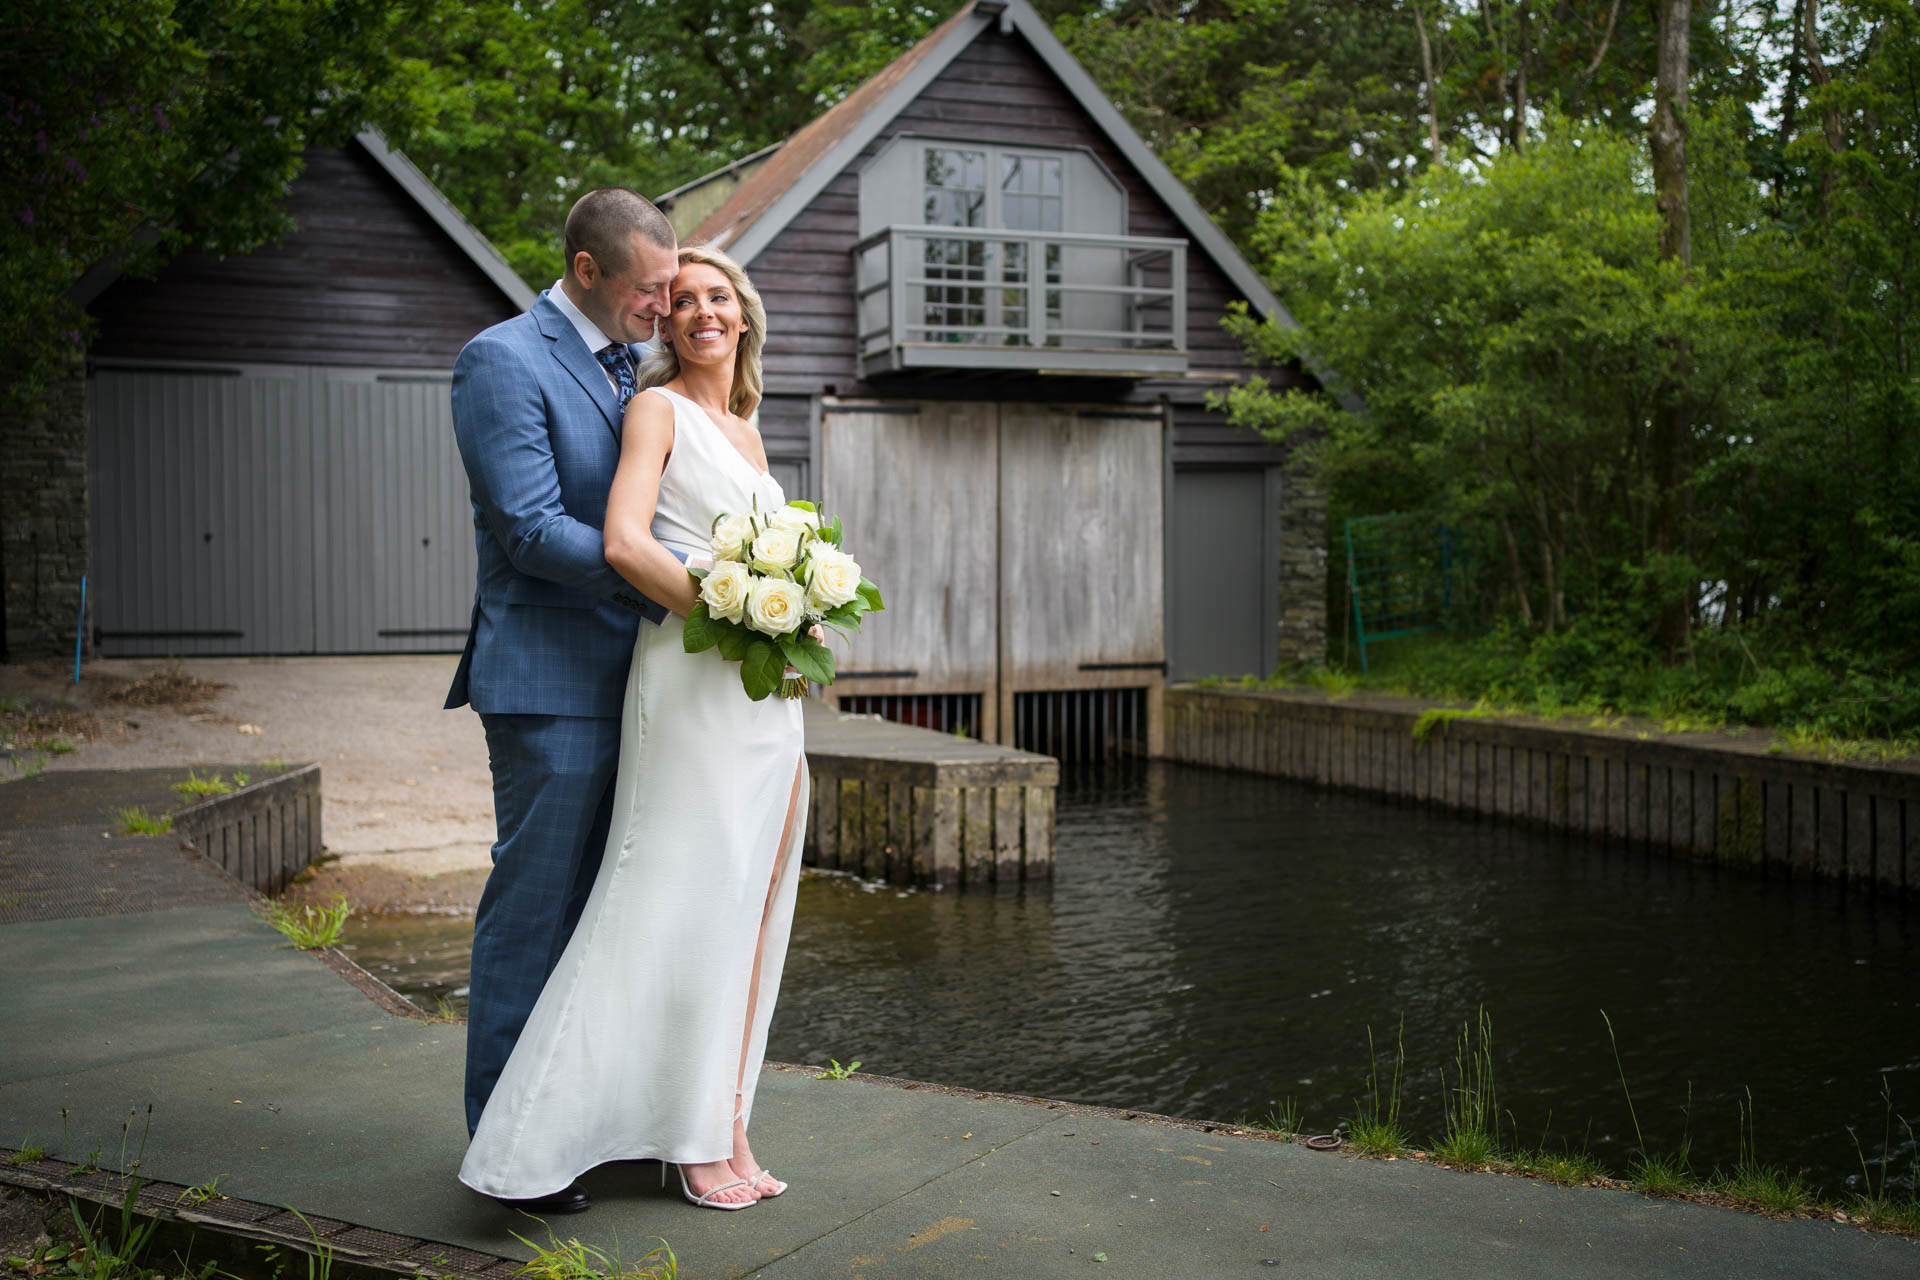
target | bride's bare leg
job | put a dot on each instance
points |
(743, 1165)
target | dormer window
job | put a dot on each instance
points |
(1033, 257)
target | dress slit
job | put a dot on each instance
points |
(784, 851)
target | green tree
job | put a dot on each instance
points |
(529, 103)
(134, 128)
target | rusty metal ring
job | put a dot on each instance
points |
(1324, 1142)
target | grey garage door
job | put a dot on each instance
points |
(276, 509)
(1222, 572)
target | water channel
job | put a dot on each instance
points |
(1216, 943)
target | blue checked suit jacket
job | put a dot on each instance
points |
(539, 430)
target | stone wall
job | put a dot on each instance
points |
(44, 546)
(1303, 570)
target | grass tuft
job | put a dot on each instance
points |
(311, 927)
(571, 1260)
(1282, 1118)
(1472, 1138)
(1875, 1206)
(136, 821)
(1565, 1168)
(1376, 1129)
(29, 1152)
(195, 785)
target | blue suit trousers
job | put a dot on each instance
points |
(553, 782)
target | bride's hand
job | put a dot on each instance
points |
(818, 632)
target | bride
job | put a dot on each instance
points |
(647, 1040)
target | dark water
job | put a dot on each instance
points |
(1216, 943)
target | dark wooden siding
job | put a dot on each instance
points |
(367, 279)
(997, 90)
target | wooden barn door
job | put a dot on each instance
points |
(1020, 547)
(1081, 581)
(394, 573)
(914, 486)
(202, 510)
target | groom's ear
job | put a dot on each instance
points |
(583, 268)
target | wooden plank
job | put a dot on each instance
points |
(875, 828)
(826, 799)
(1038, 831)
(976, 835)
(900, 833)
(1776, 824)
(1009, 808)
(1802, 825)
(1858, 837)
(1680, 812)
(1830, 832)
(853, 838)
(943, 833)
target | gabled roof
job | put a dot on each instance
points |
(419, 189)
(449, 219)
(763, 206)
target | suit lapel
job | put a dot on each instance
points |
(574, 357)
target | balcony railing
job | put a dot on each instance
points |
(1059, 302)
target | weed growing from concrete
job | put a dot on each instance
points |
(194, 1197)
(311, 927)
(1472, 1139)
(1565, 1168)
(1760, 1186)
(29, 1152)
(30, 766)
(1283, 1118)
(1657, 1173)
(571, 1260)
(136, 821)
(838, 1072)
(1376, 1130)
(1874, 1206)
(195, 785)
(105, 1257)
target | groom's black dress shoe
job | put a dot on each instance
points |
(572, 1199)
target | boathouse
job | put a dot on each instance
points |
(261, 457)
(994, 322)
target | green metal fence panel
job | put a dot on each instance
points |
(1404, 576)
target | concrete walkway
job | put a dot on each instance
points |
(263, 1067)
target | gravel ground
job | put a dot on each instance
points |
(408, 799)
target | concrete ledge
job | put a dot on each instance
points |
(918, 807)
(263, 834)
(1724, 798)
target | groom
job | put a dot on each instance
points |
(537, 406)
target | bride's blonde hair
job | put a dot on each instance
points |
(747, 382)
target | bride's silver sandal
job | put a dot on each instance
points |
(765, 1175)
(705, 1199)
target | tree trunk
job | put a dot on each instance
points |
(1672, 419)
(1831, 122)
(1520, 79)
(1433, 101)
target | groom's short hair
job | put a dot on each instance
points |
(602, 223)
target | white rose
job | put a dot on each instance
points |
(832, 579)
(724, 590)
(797, 519)
(775, 549)
(775, 606)
(730, 535)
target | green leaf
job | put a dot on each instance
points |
(871, 594)
(700, 635)
(803, 505)
(762, 668)
(698, 575)
(808, 656)
(734, 639)
(831, 532)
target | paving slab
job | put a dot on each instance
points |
(260, 1064)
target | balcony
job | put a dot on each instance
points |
(968, 298)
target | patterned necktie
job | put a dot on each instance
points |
(614, 357)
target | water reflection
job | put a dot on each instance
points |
(1215, 943)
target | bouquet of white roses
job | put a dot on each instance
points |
(774, 576)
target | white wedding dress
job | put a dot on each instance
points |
(636, 1043)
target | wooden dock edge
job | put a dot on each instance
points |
(1719, 798)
